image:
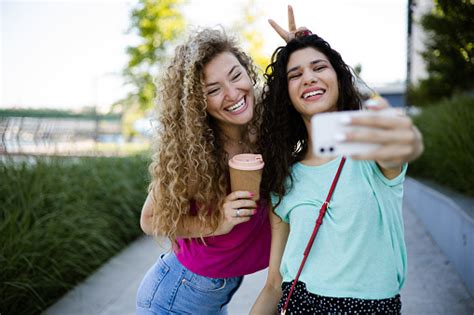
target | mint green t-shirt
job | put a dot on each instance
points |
(359, 251)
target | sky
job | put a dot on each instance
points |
(68, 54)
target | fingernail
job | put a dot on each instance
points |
(340, 137)
(345, 119)
(254, 211)
(371, 103)
(251, 194)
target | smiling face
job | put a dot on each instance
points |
(229, 91)
(312, 82)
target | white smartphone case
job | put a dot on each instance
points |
(328, 128)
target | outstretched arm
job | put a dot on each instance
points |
(400, 140)
(268, 298)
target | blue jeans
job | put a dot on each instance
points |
(170, 288)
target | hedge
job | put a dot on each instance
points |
(60, 219)
(448, 132)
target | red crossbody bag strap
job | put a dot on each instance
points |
(322, 212)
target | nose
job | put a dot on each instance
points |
(231, 92)
(309, 77)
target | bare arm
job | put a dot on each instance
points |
(400, 140)
(146, 217)
(191, 227)
(267, 300)
(391, 169)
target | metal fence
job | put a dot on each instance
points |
(40, 133)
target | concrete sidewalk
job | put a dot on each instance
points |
(432, 287)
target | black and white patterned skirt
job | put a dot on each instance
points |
(304, 302)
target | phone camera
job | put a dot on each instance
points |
(321, 150)
(331, 149)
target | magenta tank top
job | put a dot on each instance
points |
(244, 250)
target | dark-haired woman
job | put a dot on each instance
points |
(357, 264)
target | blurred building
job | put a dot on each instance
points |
(394, 93)
(416, 68)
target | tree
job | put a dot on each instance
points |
(253, 39)
(358, 69)
(158, 23)
(448, 54)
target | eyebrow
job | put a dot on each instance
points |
(311, 63)
(229, 73)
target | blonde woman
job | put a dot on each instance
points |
(207, 114)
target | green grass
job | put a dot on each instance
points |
(60, 219)
(448, 132)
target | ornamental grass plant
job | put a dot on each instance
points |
(448, 134)
(60, 219)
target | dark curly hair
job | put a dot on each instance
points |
(283, 137)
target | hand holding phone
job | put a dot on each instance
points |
(329, 129)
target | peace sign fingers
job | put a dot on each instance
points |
(292, 30)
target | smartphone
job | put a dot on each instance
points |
(326, 129)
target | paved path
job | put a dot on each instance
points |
(432, 287)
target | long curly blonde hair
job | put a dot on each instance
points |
(190, 163)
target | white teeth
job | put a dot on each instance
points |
(318, 92)
(236, 106)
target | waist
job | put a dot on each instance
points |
(244, 250)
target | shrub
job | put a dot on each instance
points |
(60, 219)
(448, 133)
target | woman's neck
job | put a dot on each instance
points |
(235, 140)
(312, 160)
(235, 134)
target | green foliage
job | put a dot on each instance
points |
(358, 69)
(158, 23)
(448, 131)
(449, 52)
(60, 219)
(253, 39)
